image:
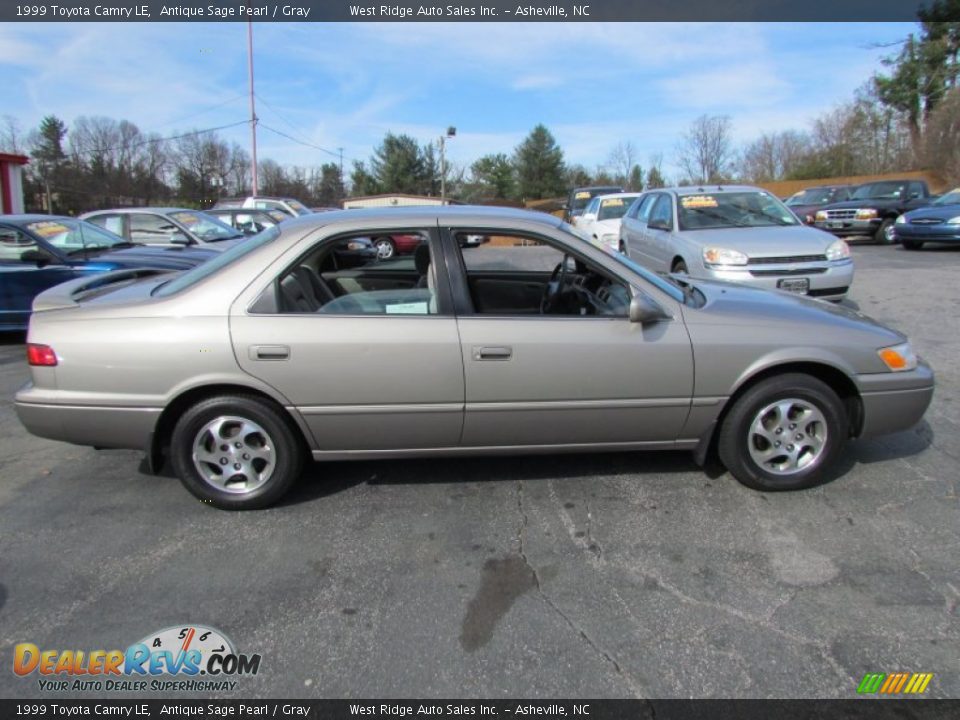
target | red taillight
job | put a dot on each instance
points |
(42, 355)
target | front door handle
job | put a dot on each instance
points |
(492, 353)
(269, 352)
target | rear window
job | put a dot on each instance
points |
(200, 272)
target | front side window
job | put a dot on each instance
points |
(13, 244)
(661, 214)
(203, 226)
(111, 223)
(151, 229)
(346, 276)
(516, 274)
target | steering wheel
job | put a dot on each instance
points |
(554, 286)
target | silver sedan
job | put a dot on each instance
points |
(738, 234)
(276, 351)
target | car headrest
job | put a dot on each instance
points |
(421, 258)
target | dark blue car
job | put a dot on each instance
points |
(938, 222)
(40, 251)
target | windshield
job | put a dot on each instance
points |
(950, 198)
(811, 196)
(615, 208)
(206, 227)
(663, 284)
(877, 191)
(193, 276)
(582, 197)
(299, 207)
(733, 210)
(74, 235)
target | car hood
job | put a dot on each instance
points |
(937, 212)
(780, 241)
(866, 202)
(735, 304)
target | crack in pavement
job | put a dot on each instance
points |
(521, 542)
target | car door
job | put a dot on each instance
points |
(633, 226)
(562, 379)
(27, 268)
(658, 235)
(368, 370)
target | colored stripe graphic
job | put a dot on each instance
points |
(894, 683)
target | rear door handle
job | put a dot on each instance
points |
(492, 353)
(269, 352)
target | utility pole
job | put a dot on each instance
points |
(253, 111)
(451, 133)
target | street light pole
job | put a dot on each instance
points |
(451, 132)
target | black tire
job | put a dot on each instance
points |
(912, 244)
(680, 268)
(883, 234)
(287, 451)
(386, 248)
(736, 436)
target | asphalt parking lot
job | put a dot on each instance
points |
(632, 575)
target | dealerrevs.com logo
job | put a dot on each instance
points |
(176, 659)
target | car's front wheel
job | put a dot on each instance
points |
(885, 233)
(783, 433)
(236, 452)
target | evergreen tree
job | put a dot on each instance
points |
(538, 162)
(494, 174)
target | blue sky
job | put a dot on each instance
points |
(347, 84)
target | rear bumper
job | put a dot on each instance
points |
(104, 427)
(893, 402)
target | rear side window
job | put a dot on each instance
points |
(113, 223)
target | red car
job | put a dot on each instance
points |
(389, 246)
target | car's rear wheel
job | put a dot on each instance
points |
(783, 433)
(235, 452)
(386, 249)
(912, 244)
(885, 233)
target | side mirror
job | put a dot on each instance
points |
(39, 257)
(180, 239)
(644, 311)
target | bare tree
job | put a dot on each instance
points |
(774, 156)
(706, 152)
(12, 139)
(622, 159)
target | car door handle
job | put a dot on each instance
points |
(492, 353)
(269, 352)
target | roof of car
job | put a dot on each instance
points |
(700, 189)
(418, 214)
(609, 196)
(32, 217)
(127, 210)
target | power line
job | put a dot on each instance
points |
(202, 112)
(293, 127)
(301, 142)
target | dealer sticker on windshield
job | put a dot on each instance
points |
(48, 229)
(581, 196)
(692, 202)
(615, 202)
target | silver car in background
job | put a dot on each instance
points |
(736, 233)
(275, 351)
